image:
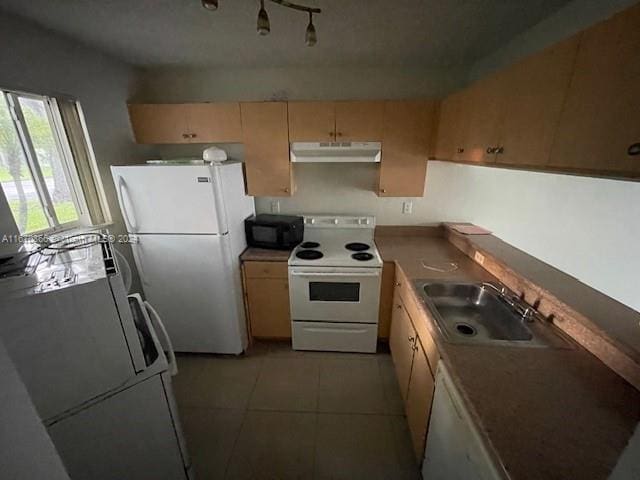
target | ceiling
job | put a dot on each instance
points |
(424, 33)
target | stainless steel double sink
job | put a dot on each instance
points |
(486, 314)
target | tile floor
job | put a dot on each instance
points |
(277, 414)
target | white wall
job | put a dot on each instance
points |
(587, 227)
(36, 60)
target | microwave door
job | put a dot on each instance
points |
(266, 235)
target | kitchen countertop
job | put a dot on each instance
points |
(545, 413)
(252, 254)
(609, 319)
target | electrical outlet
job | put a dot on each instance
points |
(407, 207)
(275, 206)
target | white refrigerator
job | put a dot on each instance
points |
(186, 227)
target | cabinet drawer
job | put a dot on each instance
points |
(417, 316)
(266, 269)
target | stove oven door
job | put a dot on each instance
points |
(327, 294)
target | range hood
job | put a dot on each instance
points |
(335, 152)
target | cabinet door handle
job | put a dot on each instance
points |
(411, 339)
(339, 134)
(634, 149)
(285, 190)
(491, 150)
(500, 150)
(383, 190)
(398, 284)
(398, 307)
(193, 135)
(459, 150)
(185, 135)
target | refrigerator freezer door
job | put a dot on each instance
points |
(68, 345)
(190, 282)
(170, 199)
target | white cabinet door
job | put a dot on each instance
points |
(189, 279)
(455, 450)
(129, 436)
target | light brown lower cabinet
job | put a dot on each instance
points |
(401, 342)
(413, 372)
(386, 299)
(419, 399)
(267, 299)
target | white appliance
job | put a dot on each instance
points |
(336, 152)
(455, 450)
(133, 432)
(334, 285)
(186, 223)
(66, 324)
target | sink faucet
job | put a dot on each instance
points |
(527, 312)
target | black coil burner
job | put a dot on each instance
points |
(362, 256)
(357, 246)
(309, 254)
(310, 245)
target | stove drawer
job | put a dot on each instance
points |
(336, 337)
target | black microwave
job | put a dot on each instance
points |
(281, 232)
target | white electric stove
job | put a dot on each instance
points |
(334, 285)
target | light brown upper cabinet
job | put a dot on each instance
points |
(407, 132)
(599, 128)
(419, 399)
(159, 123)
(509, 117)
(312, 121)
(186, 123)
(343, 121)
(359, 121)
(266, 148)
(214, 122)
(451, 127)
(534, 91)
(482, 107)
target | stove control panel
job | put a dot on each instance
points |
(339, 221)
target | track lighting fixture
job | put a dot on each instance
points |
(210, 4)
(263, 20)
(263, 24)
(310, 37)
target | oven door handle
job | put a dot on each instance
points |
(328, 274)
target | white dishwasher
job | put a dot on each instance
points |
(454, 450)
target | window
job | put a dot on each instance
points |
(39, 169)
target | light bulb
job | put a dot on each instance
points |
(310, 37)
(263, 20)
(210, 4)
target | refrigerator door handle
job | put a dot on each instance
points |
(121, 190)
(137, 254)
(173, 366)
